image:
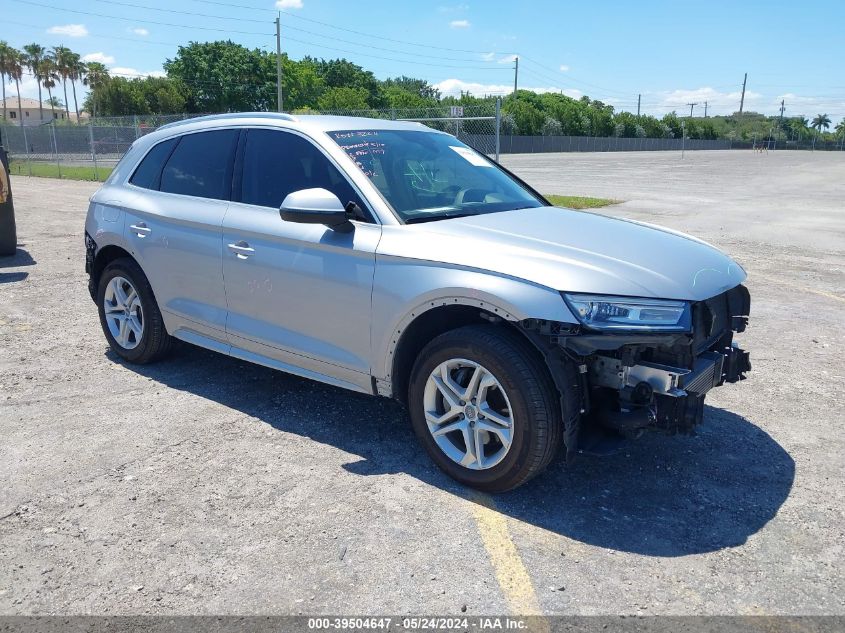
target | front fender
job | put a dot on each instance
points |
(404, 289)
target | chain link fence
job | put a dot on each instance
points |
(101, 142)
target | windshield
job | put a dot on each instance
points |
(430, 176)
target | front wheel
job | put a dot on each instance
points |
(484, 407)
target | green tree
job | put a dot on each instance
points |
(77, 73)
(301, 85)
(819, 122)
(418, 87)
(343, 98)
(7, 53)
(49, 75)
(96, 76)
(840, 128)
(14, 70)
(224, 77)
(33, 56)
(340, 73)
(64, 62)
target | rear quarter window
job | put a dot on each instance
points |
(201, 165)
(148, 172)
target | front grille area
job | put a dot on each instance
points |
(714, 318)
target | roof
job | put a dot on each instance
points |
(317, 122)
(26, 102)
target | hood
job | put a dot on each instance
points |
(573, 251)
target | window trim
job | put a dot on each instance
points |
(237, 186)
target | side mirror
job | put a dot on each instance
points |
(316, 206)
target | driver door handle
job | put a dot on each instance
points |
(241, 249)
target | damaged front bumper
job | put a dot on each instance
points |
(632, 382)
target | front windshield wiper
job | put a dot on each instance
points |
(437, 216)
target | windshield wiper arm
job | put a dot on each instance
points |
(437, 216)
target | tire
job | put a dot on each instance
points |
(147, 339)
(529, 397)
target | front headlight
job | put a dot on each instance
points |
(629, 313)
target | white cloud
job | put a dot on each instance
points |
(459, 24)
(456, 86)
(488, 57)
(288, 4)
(29, 88)
(564, 68)
(124, 71)
(507, 59)
(71, 30)
(98, 57)
(138, 30)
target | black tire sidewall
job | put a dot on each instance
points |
(509, 473)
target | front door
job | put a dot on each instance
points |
(299, 294)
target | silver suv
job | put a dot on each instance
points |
(391, 259)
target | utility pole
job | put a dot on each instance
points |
(515, 74)
(782, 108)
(691, 106)
(705, 109)
(639, 96)
(279, 62)
(742, 99)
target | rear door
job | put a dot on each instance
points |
(297, 293)
(174, 228)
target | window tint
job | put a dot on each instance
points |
(277, 163)
(149, 171)
(199, 166)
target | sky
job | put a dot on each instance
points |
(672, 53)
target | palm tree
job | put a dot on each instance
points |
(34, 55)
(799, 125)
(49, 75)
(5, 56)
(821, 121)
(97, 74)
(77, 72)
(840, 128)
(64, 63)
(14, 69)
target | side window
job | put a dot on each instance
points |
(199, 166)
(148, 173)
(278, 163)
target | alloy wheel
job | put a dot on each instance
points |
(468, 414)
(124, 312)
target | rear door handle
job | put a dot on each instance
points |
(141, 229)
(241, 249)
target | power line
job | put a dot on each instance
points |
(136, 20)
(287, 26)
(348, 30)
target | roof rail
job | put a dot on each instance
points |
(231, 115)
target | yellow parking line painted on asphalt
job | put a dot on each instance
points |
(508, 567)
(801, 288)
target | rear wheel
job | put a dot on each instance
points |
(129, 315)
(484, 407)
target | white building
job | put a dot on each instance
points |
(29, 112)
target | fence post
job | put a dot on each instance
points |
(137, 129)
(26, 146)
(498, 124)
(56, 149)
(93, 150)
